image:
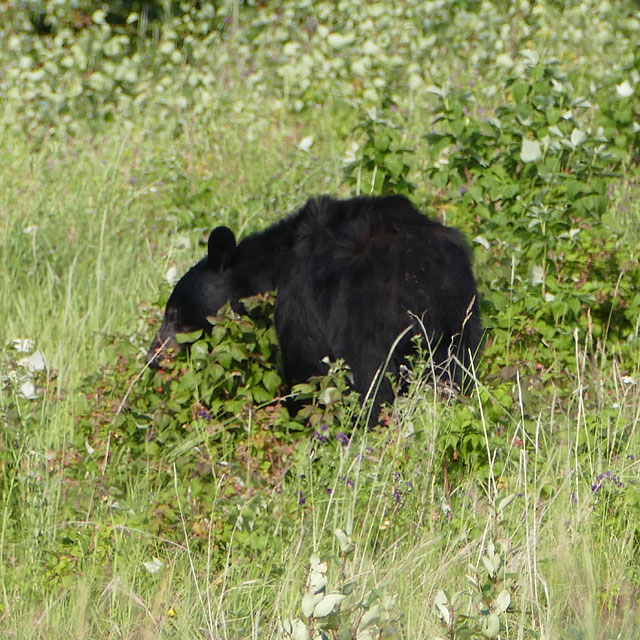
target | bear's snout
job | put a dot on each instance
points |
(161, 349)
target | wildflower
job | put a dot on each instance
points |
(606, 476)
(342, 438)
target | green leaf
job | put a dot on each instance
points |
(441, 603)
(624, 115)
(300, 631)
(530, 150)
(489, 565)
(503, 502)
(218, 333)
(188, 338)
(510, 191)
(524, 113)
(271, 381)
(303, 388)
(328, 604)
(490, 626)
(502, 602)
(476, 192)
(199, 351)
(345, 542)
(238, 351)
(370, 617)
(553, 115)
(457, 127)
(309, 601)
(591, 204)
(222, 356)
(381, 142)
(215, 372)
(577, 137)
(574, 188)
(260, 395)
(99, 16)
(519, 90)
(395, 164)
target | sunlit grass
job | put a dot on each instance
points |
(77, 276)
(89, 227)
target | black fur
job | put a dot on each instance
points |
(351, 276)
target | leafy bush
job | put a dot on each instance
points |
(485, 608)
(381, 166)
(137, 500)
(341, 608)
(536, 174)
(192, 427)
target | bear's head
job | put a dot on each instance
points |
(198, 294)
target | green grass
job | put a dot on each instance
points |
(98, 202)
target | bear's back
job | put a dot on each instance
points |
(324, 222)
(378, 234)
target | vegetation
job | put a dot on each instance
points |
(188, 502)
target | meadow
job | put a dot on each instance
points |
(187, 503)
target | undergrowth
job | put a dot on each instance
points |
(188, 501)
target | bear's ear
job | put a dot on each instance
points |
(222, 246)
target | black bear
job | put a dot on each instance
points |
(351, 276)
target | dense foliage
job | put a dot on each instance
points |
(189, 501)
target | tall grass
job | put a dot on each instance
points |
(89, 228)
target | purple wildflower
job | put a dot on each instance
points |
(319, 437)
(342, 438)
(604, 477)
